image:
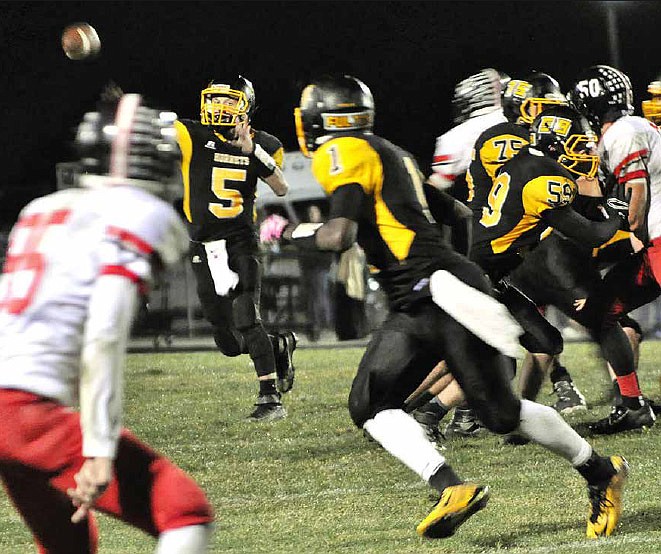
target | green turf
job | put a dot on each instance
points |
(313, 484)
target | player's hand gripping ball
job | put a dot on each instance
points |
(80, 41)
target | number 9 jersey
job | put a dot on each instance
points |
(508, 220)
(220, 181)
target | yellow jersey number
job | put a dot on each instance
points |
(497, 195)
(233, 200)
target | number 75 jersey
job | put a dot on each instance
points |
(509, 218)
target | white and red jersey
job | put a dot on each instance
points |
(452, 154)
(631, 149)
(59, 246)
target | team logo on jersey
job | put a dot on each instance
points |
(196, 259)
(210, 144)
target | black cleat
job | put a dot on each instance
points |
(429, 421)
(464, 423)
(284, 363)
(624, 419)
(570, 398)
(268, 408)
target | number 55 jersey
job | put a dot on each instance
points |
(508, 220)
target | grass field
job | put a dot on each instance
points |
(312, 484)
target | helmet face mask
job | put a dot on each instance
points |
(224, 105)
(602, 94)
(332, 106)
(127, 143)
(477, 92)
(565, 135)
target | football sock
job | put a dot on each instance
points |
(267, 386)
(559, 372)
(547, 428)
(632, 397)
(437, 407)
(402, 437)
(191, 539)
(596, 469)
(444, 477)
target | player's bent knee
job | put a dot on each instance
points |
(502, 420)
(177, 499)
(227, 342)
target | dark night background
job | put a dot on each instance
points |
(410, 53)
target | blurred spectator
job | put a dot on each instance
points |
(315, 270)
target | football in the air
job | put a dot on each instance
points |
(80, 41)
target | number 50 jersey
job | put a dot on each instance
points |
(220, 181)
(509, 219)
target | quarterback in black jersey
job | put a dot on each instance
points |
(441, 307)
(222, 158)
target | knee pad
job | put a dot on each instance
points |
(228, 342)
(244, 312)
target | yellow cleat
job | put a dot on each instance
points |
(456, 505)
(606, 501)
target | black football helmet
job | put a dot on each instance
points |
(524, 99)
(652, 106)
(126, 142)
(602, 94)
(475, 93)
(330, 106)
(565, 135)
(221, 115)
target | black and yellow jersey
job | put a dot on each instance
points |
(509, 220)
(398, 238)
(494, 147)
(220, 181)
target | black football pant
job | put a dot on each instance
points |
(558, 273)
(409, 344)
(235, 317)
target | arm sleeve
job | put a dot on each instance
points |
(447, 210)
(110, 314)
(346, 201)
(576, 227)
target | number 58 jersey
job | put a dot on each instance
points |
(508, 220)
(57, 249)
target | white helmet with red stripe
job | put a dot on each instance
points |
(126, 142)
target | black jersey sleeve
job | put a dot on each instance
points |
(447, 210)
(346, 201)
(576, 227)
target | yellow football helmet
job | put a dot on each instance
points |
(652, 107)
(226, 104)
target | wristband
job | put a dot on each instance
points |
(261, 156)
(304, 236)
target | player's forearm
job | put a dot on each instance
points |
(637, 204)
(107, 329)
(277, 182)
